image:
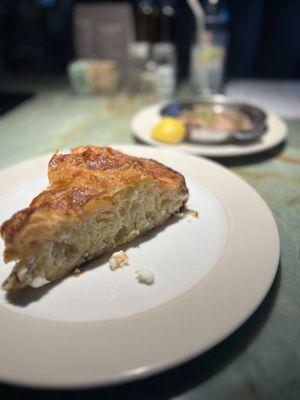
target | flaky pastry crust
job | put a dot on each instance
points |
(80, 182)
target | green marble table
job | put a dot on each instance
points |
(262, 359)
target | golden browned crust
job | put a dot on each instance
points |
(11, 226)
(83, 179)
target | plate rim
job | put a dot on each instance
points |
(206, 150)
(143, 371)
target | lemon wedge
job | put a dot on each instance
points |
(169, 130)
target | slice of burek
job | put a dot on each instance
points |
(97, 199)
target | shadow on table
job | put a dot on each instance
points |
(175, 381)
(251, 159)
(234, 161)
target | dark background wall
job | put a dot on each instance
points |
(36, 35)
(265, 38)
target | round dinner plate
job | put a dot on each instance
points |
(144, 121)
(212, 270)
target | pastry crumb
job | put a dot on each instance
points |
(187, 212)
(144, 275)
(192, 213)
(77, 271)
(118, 260)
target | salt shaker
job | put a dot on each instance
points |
(164, 57)
(138, 56)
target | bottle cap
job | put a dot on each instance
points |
(164, 52)
(139, 50)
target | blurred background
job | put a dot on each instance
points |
(153, 48)
(264, 35)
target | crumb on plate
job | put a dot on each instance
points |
(118, 260)
(187, 212)
(144, 275)
(76, 271)
(192, 213)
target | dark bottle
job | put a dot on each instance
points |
(147, 15)
(168, 20)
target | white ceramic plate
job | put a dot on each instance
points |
(102, 327)
(145, 120)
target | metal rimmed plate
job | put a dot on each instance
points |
(145, 120)
(103, 327)
(216, 105)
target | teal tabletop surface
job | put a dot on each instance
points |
(259, 361)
